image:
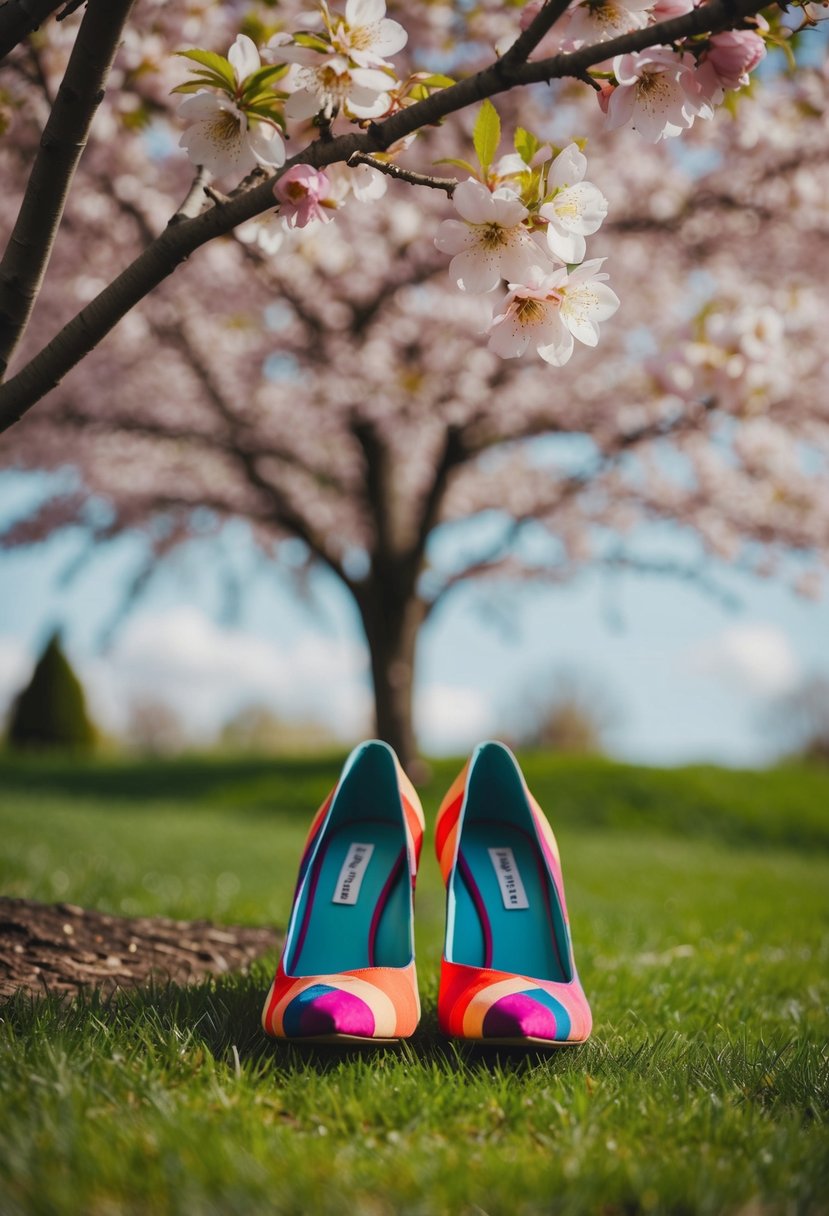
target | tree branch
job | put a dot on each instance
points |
(62, 143)
(19, 17)
(449, 184)
(179, 240)
(538, 28)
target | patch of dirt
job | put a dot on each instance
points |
(64, 948)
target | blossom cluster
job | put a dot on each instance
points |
(239, 107)
(522, 219)
(660, 91)
(526, 223)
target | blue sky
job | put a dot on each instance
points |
(689, 678)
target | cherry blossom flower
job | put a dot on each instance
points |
(658, 94)
(221, 135)
(577, 208)
(329, 84)
(490, 242)
(729, 58)
(367, 35)
(303, 194)
(600, 20)
(224, 139)
(550, 311)
(664, 10)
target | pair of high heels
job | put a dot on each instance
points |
(347, 971)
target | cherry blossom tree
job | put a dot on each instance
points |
(340, 361)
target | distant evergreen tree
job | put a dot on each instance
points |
(51, 711)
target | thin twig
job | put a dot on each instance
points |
(449, 184)
(216, 196)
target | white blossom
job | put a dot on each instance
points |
(577, 209)
(490, 241)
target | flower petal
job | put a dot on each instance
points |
(473, 202)
(454, 236)
(507, 337)
(567, 245)
(302, 104)
(568, 167)
(367, 104)
(201, 105)
(475, 271)
(244, 57)
(266, 144)
(364, 12)
(557, 353)
(390, 38)
(370, 78)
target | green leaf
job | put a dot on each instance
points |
(268, 113)
(313, 42)
(192, 86)
(486, 135)
(214, 63)
(459, 164)
(206, 80)
(256, 83)
(526, 144)
(438, 81)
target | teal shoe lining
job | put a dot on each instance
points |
(375, 931)
(519, 940)
(531, 941)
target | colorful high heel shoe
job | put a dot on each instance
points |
(507, 975)
(347, 970)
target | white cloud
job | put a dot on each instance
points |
(451, 718)
(206, 672)
(754, 658)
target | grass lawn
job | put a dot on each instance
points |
(700, 912)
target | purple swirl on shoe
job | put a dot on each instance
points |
(323, 1010)
(534, 1015)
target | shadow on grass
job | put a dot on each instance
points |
(214, 1028)
(222, 1017)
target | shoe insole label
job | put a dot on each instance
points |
(347, 888)
(513, 894)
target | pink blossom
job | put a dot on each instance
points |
(550, 311)
(732, 55)
(303, 193)
(664, 10)
(600, 20)
(658, 94)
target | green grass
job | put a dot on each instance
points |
(700, 909)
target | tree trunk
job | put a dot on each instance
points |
(392, 624)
